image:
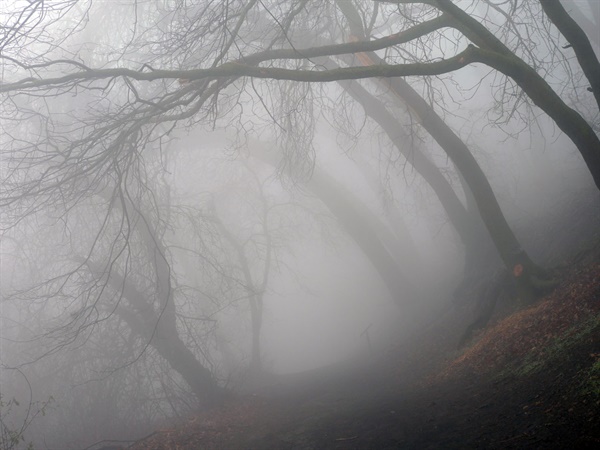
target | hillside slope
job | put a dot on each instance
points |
(532, 380)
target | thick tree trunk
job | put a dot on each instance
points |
(587, 23)
(166, 340)
(169, 346)
(540, 92)
(159, 330)
(495, 54)
(181, 359)
(514, 257)
(465, 225)
(578, 40)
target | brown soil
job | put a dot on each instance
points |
(530, 381)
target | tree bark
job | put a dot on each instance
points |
(578, 40)
(158, 329)
(567, 119)
(502, 235)
(464, 224)
(504, 239)
(495, 54)
(169, 346)
(587, 23)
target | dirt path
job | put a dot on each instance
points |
(530, 381)
(541, 411)
(546, 410)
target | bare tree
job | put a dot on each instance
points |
(253, 250)
(485, 48)
(80, 118)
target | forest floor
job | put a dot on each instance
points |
(530, 380)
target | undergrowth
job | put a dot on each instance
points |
(591, 382)
(555, 350)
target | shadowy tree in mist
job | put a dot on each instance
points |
(80, 116)
(588, 22)
(223, 70)
(126, 275)
(253, 253)
(361, 224)
(153, 315)
(487, 49)
(578, 40)
(476, 183)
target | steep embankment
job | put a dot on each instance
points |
(532, 380)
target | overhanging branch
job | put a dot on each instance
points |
(242, 67)
(237, 69)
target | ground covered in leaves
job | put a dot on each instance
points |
(530, 380)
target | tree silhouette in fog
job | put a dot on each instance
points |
(93, 97)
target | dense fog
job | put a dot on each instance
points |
(184, 215)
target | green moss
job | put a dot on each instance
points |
(591, 382)
(555, 350)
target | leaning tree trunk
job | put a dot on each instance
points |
(158, 330)
(169, 345)
(492, 52)
(467, 226)
(526, 273)
(358, 221)
(515, 258)
(161, 333)
(587, 23)
(579, 42)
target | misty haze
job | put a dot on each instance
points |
(299, 224)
